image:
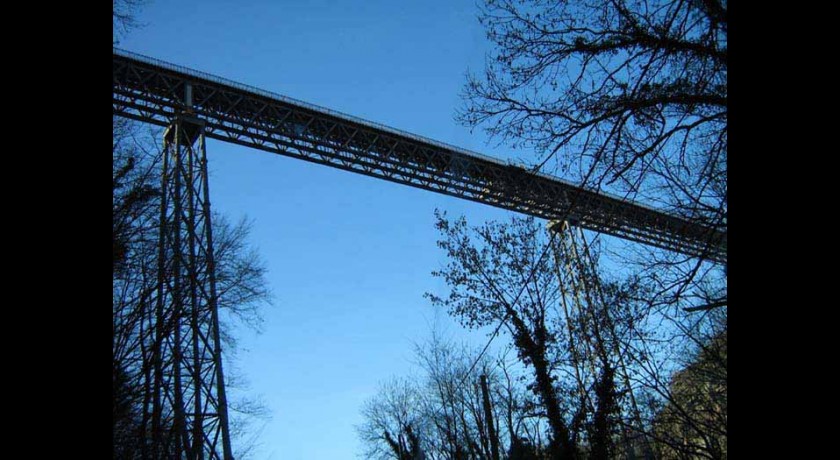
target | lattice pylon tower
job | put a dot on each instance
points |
(593, 341)
(188, 417)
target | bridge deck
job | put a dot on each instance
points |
(154, 91)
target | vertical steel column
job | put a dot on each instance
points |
(189, 407)
(581, 276)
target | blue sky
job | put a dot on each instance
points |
(349, 256)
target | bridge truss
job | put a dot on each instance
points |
(154, 91)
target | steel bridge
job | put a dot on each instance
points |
(154, 91)
(184, 407)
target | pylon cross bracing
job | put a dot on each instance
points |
(188, 403)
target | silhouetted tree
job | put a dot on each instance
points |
(124, 17)
(603, 424)
(619, 95)
(521, 449)
(125, 417)
(597, 353)
(628, 97)
(387, 418)
(507, 278)
(631, 93)
(444, 412)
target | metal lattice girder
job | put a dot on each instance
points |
(154, 91)
(188, 407)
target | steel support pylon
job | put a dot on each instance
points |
(593, 340)
(188, 408)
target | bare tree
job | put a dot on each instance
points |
(632, 93)
(124, 17)
(460, 408)
(393, 422)
(620, 95)
(601, 360)
(629, 97)
(462, 405)
(506, 278)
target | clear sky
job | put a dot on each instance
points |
(349, 256)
